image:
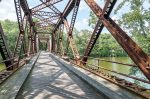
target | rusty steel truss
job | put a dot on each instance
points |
(39, 25)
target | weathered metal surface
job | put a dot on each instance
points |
(111, 86)
(75, 11)
(59, 39)
(98, 28)
(50, 19)
(65, 13)
(140, 58)
(21, 30)
(4, 49)
(27, 18)
(53, 23)
(48, 3)
(97, 31)
(44, 13)
(19, 14)
(70, 40)
(53, 39)
(101, 71)
(52, 7)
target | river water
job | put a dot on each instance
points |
(2, 66)
(120, 68)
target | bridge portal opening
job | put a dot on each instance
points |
(43, 42)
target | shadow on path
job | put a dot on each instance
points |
(50, 80)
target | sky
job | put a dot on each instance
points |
(7, 11)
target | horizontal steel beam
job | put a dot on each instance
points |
(42, 32)
(43, 13)
(48, 19)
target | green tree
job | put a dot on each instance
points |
(92, 20)
(82, 39)
(10, 29)
(106, 45)
(137, 21)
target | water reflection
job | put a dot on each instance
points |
(121, 68)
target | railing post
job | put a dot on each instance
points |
(98, 62)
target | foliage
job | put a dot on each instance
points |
(105, 46)
(92, 20)
(10, 29)
(81, 39)
(43, 46)
(137, 21)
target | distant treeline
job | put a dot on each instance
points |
(106, 45)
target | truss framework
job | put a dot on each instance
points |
(37, 21)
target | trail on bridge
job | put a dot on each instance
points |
(50, 79)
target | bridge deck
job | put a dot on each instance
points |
(52, 80)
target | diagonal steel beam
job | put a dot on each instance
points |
(20, 38)
(4, 50)
(19, 15)
(52, 7)
(98, 29)
(47, 21)
(70, 40)
(65, 13)
(27, 11)
(44, 5)
(76, 7)
(139, 57)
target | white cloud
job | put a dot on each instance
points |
(82, 24)
(7, 10)
(83, 6)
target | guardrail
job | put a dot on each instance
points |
(4, 73)
(11, 59)
(101, 72)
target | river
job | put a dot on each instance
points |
(2, 66)
(120, 68)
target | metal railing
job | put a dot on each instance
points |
(99, 68)
(101, 72)
(21, 62)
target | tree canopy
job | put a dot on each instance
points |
(136, 21)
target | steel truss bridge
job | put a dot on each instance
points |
(46, 23)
